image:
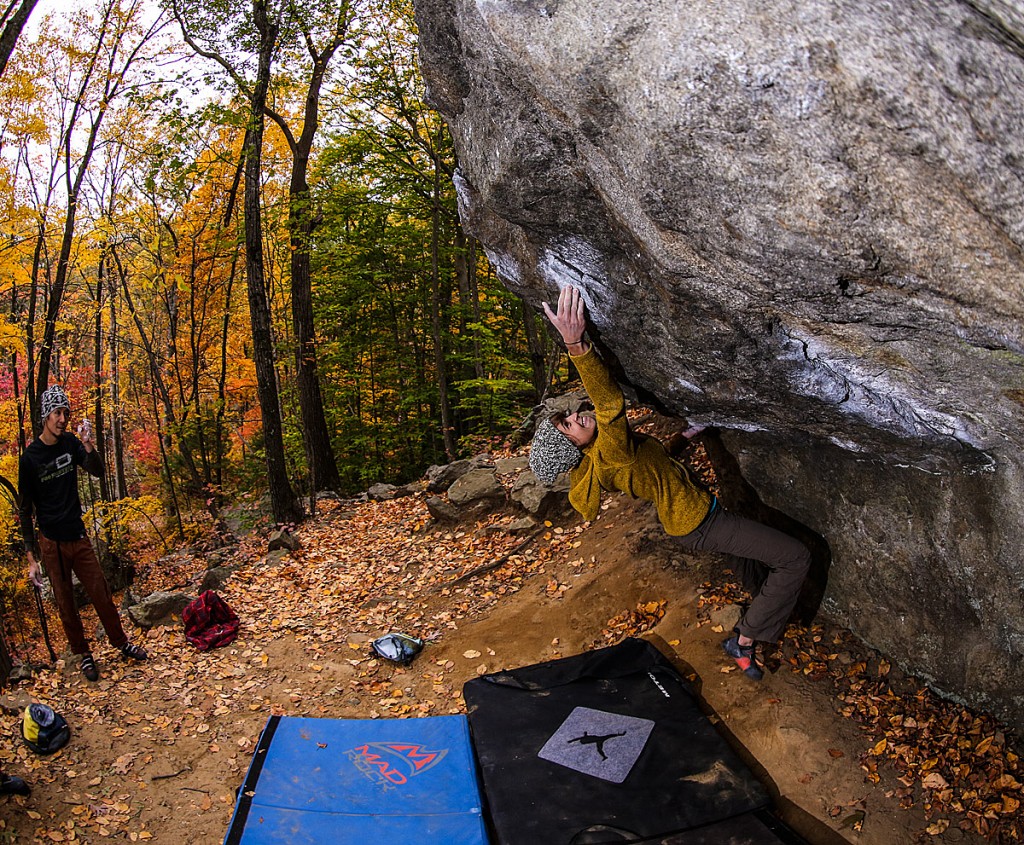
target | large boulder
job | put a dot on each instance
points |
(803, 224)
(215, 577)
(382, 492)
(441, 510)
(510, 466)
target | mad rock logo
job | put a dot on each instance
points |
(391, 764)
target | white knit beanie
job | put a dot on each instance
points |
(552, 453)
(53, 398)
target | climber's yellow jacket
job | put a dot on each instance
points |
(620, 460)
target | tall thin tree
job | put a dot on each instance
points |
(266, 20)
(319, 455)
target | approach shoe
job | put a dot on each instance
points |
(744, 657)
(133, 652)
(11, 785)
(89, 668)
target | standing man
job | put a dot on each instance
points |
(48, 482)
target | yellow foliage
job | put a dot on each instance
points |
(9, 435)
(134, 521)
(13, 571)
(12, 337)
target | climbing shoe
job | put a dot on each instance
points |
(11, 785)
(744, 657)
(89, 668)
(133, 652)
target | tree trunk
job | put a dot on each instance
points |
(535, 343)
(97, 371)
(56, 299)
(222, 393)
(323, 469)
(117, 444)
(74, 188)
(162, 440)
(15, 380)
(161, 389)
(13, 26)
(113, 80)
(435, 319)
(285, 505)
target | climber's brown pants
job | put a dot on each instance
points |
(786, 558)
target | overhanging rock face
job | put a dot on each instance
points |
(804, 224)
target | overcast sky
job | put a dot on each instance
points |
(66, 8)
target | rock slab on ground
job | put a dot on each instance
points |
(160, 608)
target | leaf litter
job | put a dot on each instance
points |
(163, 741)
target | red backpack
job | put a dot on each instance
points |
(209, 621)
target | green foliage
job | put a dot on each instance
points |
(383, 184)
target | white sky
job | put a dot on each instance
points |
(63, 7)
(67, 8)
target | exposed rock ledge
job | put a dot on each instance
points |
(801, 222)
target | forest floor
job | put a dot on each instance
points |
(851, 750)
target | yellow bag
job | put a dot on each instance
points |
(43, 729)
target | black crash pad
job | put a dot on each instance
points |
(609, 746)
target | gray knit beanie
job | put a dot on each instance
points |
(552, 453)
(53, 398)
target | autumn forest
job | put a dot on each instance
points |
(230, 230)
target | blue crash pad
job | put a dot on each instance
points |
(346, 780)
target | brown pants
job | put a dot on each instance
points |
(77, 556)
(786, 558)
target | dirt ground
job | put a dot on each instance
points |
(159, 749)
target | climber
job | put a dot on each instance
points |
(600, 452)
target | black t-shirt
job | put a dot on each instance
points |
(48, 482)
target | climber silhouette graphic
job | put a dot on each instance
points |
(597, 741)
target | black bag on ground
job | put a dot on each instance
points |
(43, 729)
